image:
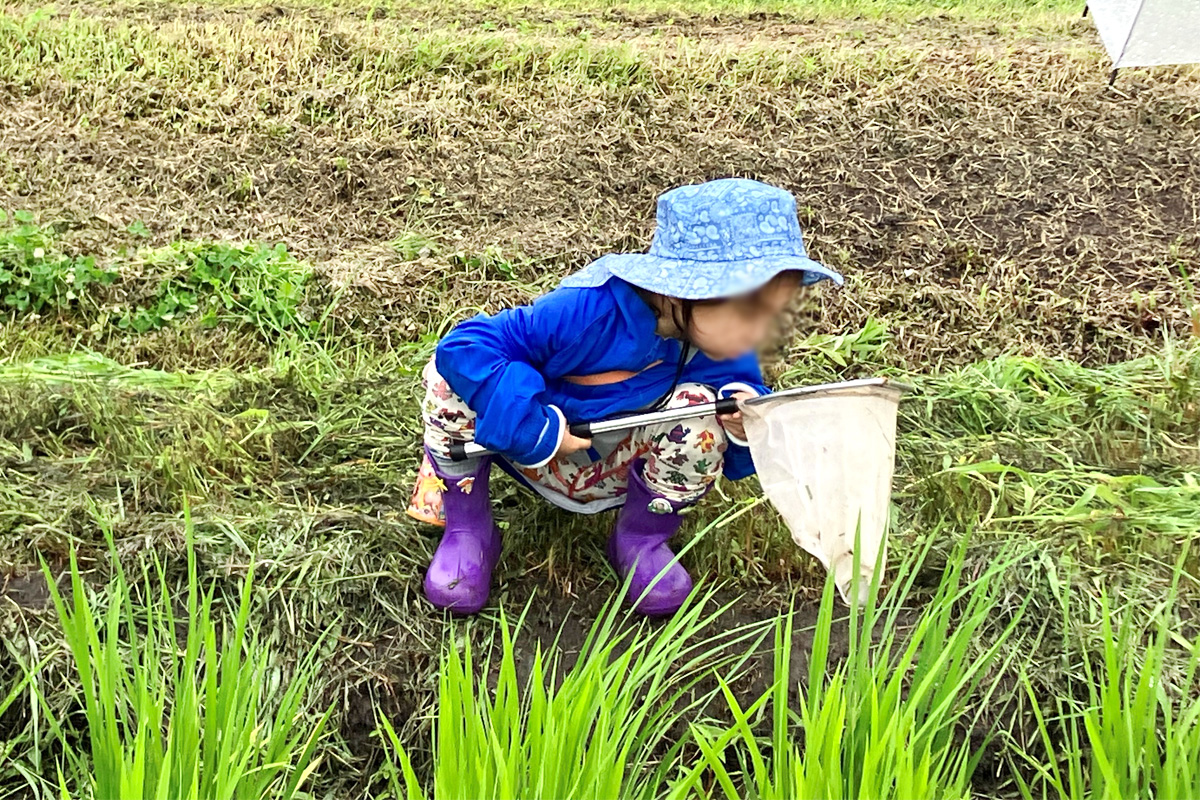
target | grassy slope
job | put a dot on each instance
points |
(983, 191)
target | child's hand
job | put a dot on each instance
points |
(572, 444)
(732, 423)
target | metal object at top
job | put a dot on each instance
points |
(799, 391)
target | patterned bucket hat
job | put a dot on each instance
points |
(723, 238)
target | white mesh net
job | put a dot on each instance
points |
(825, 461)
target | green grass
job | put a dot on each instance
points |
(214, 716)
(189, 66)
(260, 286)
(219, 282)
(1136, 731)
(34, 278)
(893, 9)
(298, 470)
(601, 728)
(886, 722)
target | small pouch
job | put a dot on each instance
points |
(426, 503)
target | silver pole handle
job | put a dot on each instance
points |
(461, 451)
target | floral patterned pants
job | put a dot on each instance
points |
(682, 459)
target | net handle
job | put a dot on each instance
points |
(461, 451)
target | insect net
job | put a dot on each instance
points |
(825, 461)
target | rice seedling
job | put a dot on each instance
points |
(598, 729)
(21, 750)
(886, 722)
(211, 716)
(1136, 732)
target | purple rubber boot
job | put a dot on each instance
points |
(639, 543)
(460, 575)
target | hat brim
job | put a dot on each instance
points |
(699, 280)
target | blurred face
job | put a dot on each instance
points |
(734, 327)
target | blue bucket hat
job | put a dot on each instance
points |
(723, 238)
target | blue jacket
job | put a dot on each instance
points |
(510, 369)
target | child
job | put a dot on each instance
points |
(631, 332)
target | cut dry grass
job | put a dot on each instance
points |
(977, 184)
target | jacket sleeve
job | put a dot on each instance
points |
(745, 375)
(496, 364)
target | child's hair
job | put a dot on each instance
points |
(681, 315)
